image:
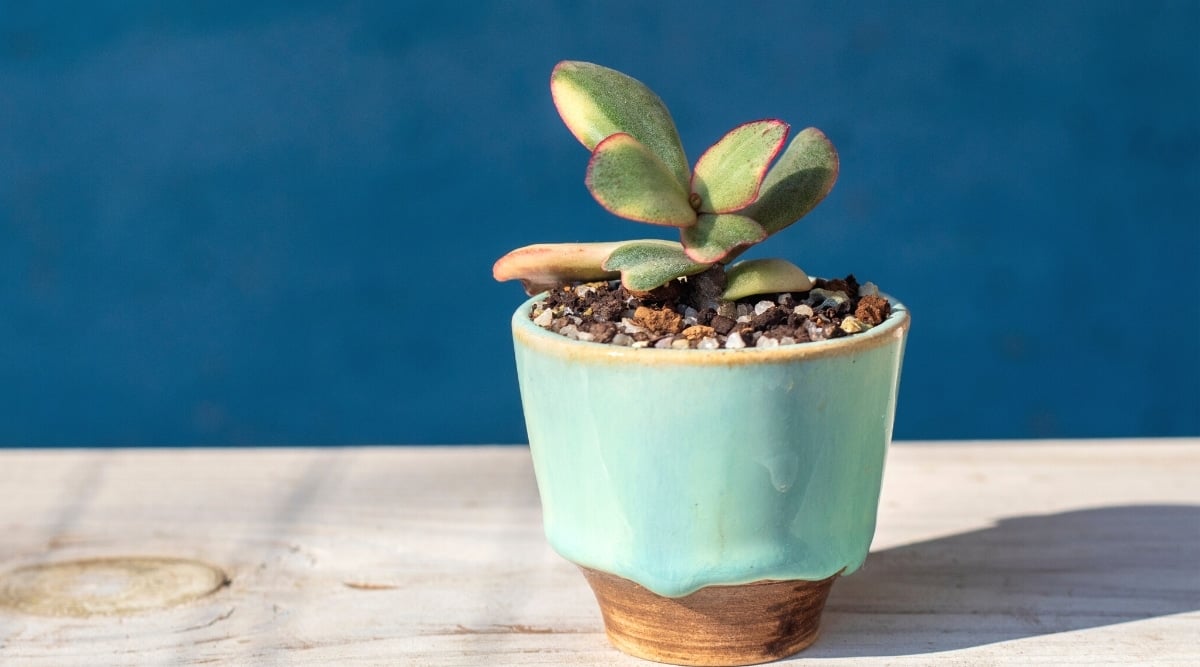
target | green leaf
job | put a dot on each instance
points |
(804, 174)
(714, 236)
(764, 276)
(545, 265)
(627, 179)
(597, 102)
(645, 265)
(729, 173)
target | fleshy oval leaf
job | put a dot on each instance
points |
(728, 174)
(804, 174)
(630, 181)
(542, 266)
(714, 236)
(645, 265)
(596, 102)
(764, 276)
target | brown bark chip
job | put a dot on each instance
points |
(769, 317)
(872, 310)
(603, 331)
(723, 325)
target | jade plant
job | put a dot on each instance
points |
(737, 194)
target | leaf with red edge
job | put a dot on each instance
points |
(545, 265)
(728, 175)
(804, 174)
(630, 181)
(596, 102)
(714, 236)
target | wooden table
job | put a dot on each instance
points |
(1074, 552)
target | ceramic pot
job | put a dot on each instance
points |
(711, 497)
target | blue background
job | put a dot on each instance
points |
(231, 223)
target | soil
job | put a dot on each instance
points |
(686, 313)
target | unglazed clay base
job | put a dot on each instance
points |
(717, 625)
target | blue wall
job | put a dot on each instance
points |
(223, 225)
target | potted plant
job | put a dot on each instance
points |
(708, 436)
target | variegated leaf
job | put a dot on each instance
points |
(630, 181)
(714, 236)
(596, 102)
(804, 174)
(728, 175)
(645, 265)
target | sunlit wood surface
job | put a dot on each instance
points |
(1070, 552)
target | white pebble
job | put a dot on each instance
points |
(787, 340)
(783, 298)
(544, 319)
(576, 320)
(763, 306)
(584, 290)
(690, 313)
(803, 310)
(585, 336)
(815, 331)
(744, 309)
(639, 344)
(868, 289)
(690, 321)
(680, 344)
(570, 331)
(708, 344)
(622, 339)
(763, 341)
(735, 342)
(743, 318)
(663, 343)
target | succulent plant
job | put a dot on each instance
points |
(732, 199)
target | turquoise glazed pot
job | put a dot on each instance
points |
(678, 470)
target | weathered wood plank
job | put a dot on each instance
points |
(986, 553)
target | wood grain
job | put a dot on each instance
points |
(1043, 553)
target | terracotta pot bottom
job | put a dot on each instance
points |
(745, 624)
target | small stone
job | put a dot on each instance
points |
(764, 341)
(698, 331)
(622, 340)
(821, 299)
(735, 342)
(664, 343)
(744, 309)
(627, 326)
(744, 319)
(582, 291)
(815, 331)
(659, 321)
(727, 309)
(639, 344)
(803, 310)
(575, 320)
(723, 325)
(570, 331)
(690, 313)
(872, 310)
(784, 298)
(680, 344)
(852, 325)
(868, 289)
(763, 306)
(544, 319)
(787, 340)
(584, 336)
(708, 344)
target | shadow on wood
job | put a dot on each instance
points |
(1025, 577)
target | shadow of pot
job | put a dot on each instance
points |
(715, 491)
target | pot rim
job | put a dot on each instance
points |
(526, 333)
